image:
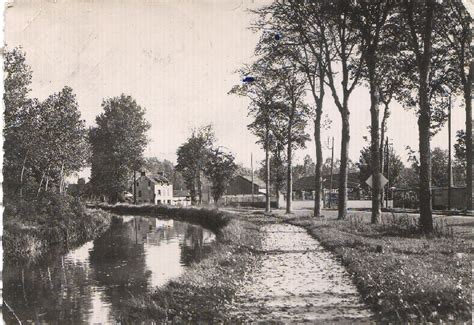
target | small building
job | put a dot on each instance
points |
(181, 197)
(304, 188)
(154, 189)
(242, 185)
(77, 190)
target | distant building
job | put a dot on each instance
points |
(242, 185)
(154, 189)
(181, 197)
(77, 190)
(304, 187)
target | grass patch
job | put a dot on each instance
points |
(401, 274)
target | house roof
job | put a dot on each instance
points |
(307, 183)
(256, 180)
(177, 193)
(156, 178)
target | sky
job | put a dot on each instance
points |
(178, 60)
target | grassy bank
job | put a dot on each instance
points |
(205, 290)
(401, 274)
(49, 223)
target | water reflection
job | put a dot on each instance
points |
(91, 283)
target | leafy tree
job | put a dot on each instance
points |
(220, 170)
(428, 64)
(290, 38)
(263, 91)
(455, 28)
(365, 167)
(117, 142)
(193, 156)
(154, 166)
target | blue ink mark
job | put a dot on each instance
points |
(248, 79)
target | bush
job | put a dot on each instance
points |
(32, 227)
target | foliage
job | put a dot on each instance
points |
(117, 142)
(44, 141)
(50, 221)
(365, 167)
(220, 170)
(193, 156)
(153, 165)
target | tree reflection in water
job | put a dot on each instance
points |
(91, 283)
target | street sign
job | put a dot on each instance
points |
(383, 181)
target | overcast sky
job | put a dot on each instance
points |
(178, 60)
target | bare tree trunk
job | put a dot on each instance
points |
(345, 139)
(375, 140)
(47, 181)
(319, 164)
(424, 124)
(289, 175)
(383, 130)
(199, 188)
(61, 178)
(469, 144)
(22, 175)
(40, 184)
(267, 173)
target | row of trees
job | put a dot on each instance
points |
(414, 52)
(199, 160)
(44, 140)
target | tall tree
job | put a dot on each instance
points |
(428, 65)
(118, 142)
(193, 156)
(289, 37)
(369, 18)
(220, 170)
(455, 28)
(261, 86)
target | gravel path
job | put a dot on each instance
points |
(296, 280)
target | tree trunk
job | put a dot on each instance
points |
(383, 129)
(424, 123)
(289, 176)
(319, 164)
(375, 140)
(345, 139)
(199, 188)
(22, 175)
(61, 178)
(40, 184)
(469, 144)
(267, 173)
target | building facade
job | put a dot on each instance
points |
(153, 189)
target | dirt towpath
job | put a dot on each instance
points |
(296, 280)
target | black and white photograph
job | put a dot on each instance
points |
(237, 162)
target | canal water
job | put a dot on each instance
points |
(91, 284)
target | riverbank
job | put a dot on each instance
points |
(52, 223)
(206, 289)
(401, 274)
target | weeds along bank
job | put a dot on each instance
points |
(403, 275)
(50, 222)
(205, 290)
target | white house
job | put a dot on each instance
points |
(154, 189)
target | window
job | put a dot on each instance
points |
(149, 183)
(159, 192)
(159, 201)
(139, 193)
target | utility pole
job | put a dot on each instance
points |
(251, 167)
(332, 173)
(450, 171)
(388, 173)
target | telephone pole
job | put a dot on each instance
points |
(251, 167)
(332, 173)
